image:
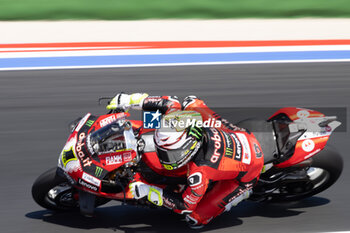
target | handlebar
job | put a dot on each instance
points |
(117, 110)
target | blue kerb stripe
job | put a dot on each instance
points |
(170, 58)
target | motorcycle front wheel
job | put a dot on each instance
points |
(54, 192)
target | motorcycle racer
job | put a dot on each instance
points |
(223, 163)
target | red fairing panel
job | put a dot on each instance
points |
(309, 143)
(305, 149)
(298, 113)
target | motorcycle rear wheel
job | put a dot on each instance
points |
(324, 171)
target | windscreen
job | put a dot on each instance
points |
(113, 137)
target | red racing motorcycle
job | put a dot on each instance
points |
(104, 153)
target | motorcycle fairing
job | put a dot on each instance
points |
(315, 127)
(84, 162)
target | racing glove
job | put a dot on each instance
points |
(125, 101)
(154, 194)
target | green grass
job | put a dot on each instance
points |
(170, 9)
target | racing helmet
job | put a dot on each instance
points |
(178, 140)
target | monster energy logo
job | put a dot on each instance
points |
(229, 151)
(98, 171)
(196, 132)
(89, 123)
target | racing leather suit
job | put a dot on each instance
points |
(226, 167)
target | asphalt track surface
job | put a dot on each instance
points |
(36, 106)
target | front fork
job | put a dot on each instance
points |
(86, 203)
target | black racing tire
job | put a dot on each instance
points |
(43, 184)
(49, 180)
(328, 164)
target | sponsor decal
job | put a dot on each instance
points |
(114, 159)
(152, 99)
(230, 146)
(98, 171)
(315, 134)
(89, 123)
(82, 122)
(229, 125)
(198, 187)
(303, 114)
(107, 120)
(238, 148)
(195, 179)
(236, 128)
(152, 120)
(69, 178)
(229, 152)
(91, 179)
(308, 145)
(86, 161)
(88, 144)
(258, 152)
(246, 156)
(217, 145)
(67, 156)
(312, 153)
(196, 132)
(189, 201)
(192, 198)
(87, 185)
(228, 140)
(127, 157)
(240, 192)
(168, 203)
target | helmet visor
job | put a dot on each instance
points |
(172, 159)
